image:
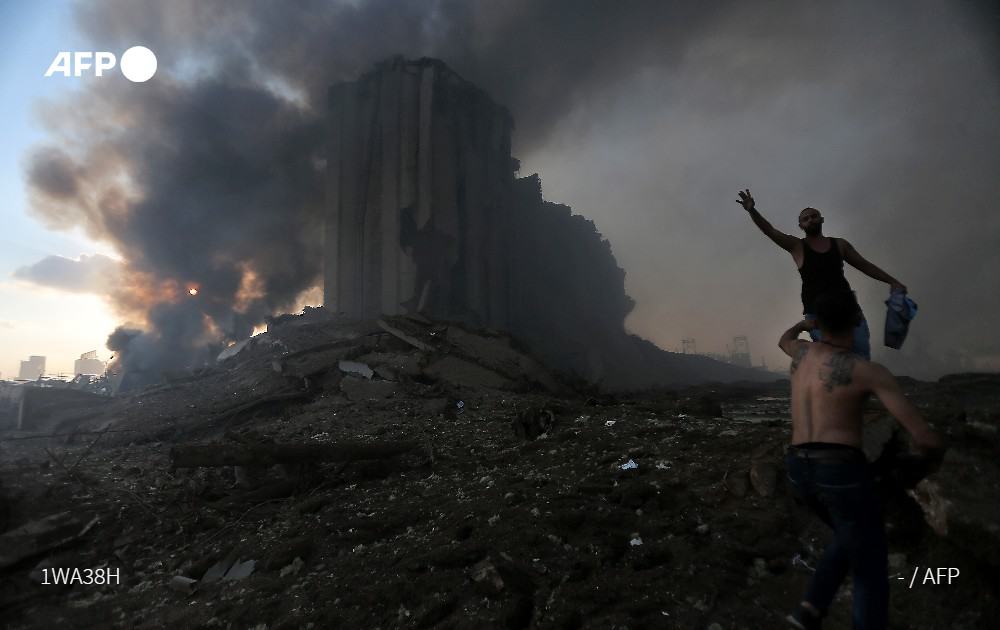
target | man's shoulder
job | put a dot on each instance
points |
(870, 372)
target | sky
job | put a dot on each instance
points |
(38, 320)
(645, 116)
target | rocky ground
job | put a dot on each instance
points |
(428, 476)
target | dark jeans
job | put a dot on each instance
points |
(842, 494)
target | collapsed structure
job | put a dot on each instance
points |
(425, 214)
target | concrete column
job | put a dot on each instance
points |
(371, 204)
(349, 254)
(390, 140)
(408, 171)
(425, 197)
(331, 227)
(444, 176)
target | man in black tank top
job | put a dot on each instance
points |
(820, 261)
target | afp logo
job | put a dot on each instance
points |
(138, 64)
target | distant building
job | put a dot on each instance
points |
(32, 368)
(88, 363)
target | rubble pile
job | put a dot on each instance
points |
(407, 473)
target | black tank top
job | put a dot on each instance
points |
(821, 273)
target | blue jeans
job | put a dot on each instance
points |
(842, 494)
(862, 337)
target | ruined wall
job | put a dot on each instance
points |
(419, 167)
(568, 300)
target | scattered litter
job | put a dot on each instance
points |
(461, 406)
(357, 368)
(609, 423)
(87, 602)
(636, 540)
(240, 570)
(629, 465)
(486, 575)
(216, 572)
(293, 568)
(232, 350)
(798, 561)
(183, 584)
(662, 464)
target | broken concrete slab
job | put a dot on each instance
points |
(45, 409)
(496, 353)
(239, 571)
(216, 571)
(42, 535)
(233, 350)
(764, 477)
(356, 368)
(399, 334)
(183, 584)
(466, 374)
(959, 506)
(313, 361)
(409, 364)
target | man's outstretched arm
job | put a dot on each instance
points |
(856, 260)
(786, 242)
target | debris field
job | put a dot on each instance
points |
(405, 473)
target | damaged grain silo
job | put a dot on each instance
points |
(425, 214)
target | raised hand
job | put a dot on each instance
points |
(746, 200)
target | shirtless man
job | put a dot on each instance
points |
(826, 467)
(820, 261)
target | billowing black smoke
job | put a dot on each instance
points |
(209, 179)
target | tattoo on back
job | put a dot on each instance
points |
(803, 348)
(839, 370)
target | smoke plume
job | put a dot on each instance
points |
(209, 179)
